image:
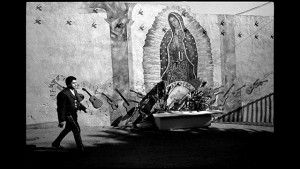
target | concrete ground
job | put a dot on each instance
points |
(220, 145)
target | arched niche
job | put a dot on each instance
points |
(151, 50)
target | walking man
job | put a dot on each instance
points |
(68, 104)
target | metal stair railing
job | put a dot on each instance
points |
(257, 112)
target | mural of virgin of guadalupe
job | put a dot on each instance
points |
(178, 52)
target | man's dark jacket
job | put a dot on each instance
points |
(66, 104)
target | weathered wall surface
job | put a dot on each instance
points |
(254, 54)
(64, 43)
(64, 38)
(241, 48)
(143, 16)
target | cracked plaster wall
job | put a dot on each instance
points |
(56, 48)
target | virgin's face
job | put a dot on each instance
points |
(174, 22)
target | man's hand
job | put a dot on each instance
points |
(61, 124)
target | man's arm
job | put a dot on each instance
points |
(82, 107)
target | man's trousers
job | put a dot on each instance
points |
(71, 125)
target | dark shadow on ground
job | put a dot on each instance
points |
(201, 147)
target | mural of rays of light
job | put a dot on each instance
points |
(151, 49)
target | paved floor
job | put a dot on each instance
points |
(220, 145)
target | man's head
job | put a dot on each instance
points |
(71, 82)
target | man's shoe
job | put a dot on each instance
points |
(57, 146)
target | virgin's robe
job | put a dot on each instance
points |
(178, 62)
